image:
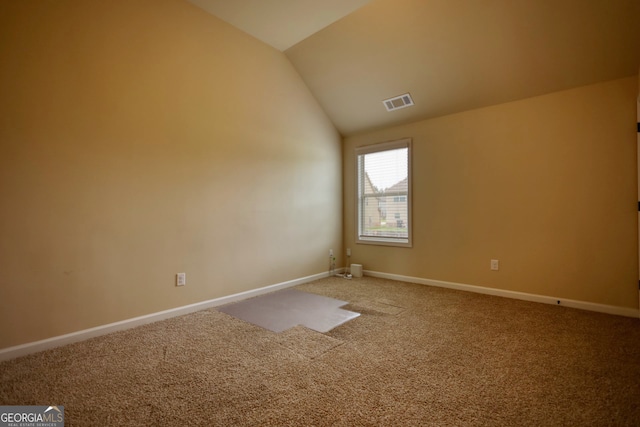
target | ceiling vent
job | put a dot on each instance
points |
(398, 102)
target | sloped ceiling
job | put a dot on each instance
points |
(456, 55)
(280, 23)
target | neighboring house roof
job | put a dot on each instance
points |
(399, 187)
(369, 187)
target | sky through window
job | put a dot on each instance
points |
(377, 166)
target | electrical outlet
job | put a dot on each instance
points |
(348, 251)
(181, 279)
(495, 264)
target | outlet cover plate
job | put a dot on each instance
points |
(181, 279)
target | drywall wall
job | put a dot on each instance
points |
(142, 139)
(546, 185)
(638, 165)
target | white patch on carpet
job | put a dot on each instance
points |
(281, 310)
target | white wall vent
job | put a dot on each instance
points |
(398, 102)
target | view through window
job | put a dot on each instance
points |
(384, 196)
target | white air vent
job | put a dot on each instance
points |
(398, 102)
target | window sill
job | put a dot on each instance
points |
(404, 243)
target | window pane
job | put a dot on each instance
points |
(383, 193)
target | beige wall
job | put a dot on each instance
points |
(546, 185)
(144, 138)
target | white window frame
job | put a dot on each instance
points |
(382, 240)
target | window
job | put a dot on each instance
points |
(384, 178)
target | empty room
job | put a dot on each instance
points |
(319, 212)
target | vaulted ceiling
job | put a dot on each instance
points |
(450, 55)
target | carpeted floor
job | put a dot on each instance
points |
(417, 356)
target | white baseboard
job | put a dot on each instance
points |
(37, 346)
(583, 305)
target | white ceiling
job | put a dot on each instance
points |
(280, 23)
(450, 55)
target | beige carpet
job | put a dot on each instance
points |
(417, 356)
